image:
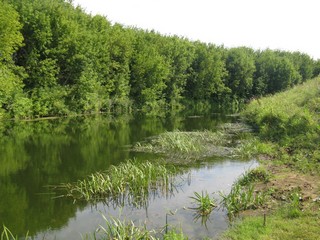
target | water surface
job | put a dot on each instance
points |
(35, 155)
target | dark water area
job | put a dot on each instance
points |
(38, 154)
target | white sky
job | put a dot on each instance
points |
(292, 25)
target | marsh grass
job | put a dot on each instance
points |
(242, 198)
(132, 182)
(178, 146)
(6, 234)
(123, 229)
(259, 174)
(181, 142)
(205, 204)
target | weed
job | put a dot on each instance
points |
(242, 198)
(254, 175)
(205, 204)
(131, 181)
(8, 235)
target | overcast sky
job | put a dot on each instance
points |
(292, 25)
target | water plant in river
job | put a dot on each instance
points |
(131, 181)
(186, 145)
(254, 175)
(122, 229)
(242, 198)
(6, 234)
(205, 204)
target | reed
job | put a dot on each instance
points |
(6, 234)
(205, 204)
(254, 175)
(242, 198)
(130, 181)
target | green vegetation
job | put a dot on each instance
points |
(179, 145)
(254, 175)
(290, 120)
(128, 230)
(130, 181)
(242, 198)
(288, 137)
(57, 60)
(205, 204)
(6, 234)
(278, 226)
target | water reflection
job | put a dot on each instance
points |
(212, 177)
(49, 152)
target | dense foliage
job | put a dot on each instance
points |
(292, 125)
(55, 59)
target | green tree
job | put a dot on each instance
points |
(207, 74)
(240, 64)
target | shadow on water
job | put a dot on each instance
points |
(49, 152)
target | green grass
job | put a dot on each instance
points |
(291, 121)
(130, 181)
(242, 198)
(6, 234)
(179, 147)
(278, 226)
(288, 133)
(116, 228)
(181, 142)
(259, 174)
(205, 204)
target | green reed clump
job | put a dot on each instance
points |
(183, 142)
(133, 181)
(123, 230)
(180, 146)
(254, 175)
(6, 234)
(205, 204)
(242, 198)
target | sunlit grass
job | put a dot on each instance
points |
(181, 142)
(277, 226)
(205, 203)
(178, 146)
(6, 234)
(242, 198)
(131, 181)
(123, 229)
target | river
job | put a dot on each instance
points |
(36, 155)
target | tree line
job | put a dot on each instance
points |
(55, 59)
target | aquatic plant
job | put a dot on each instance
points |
(6, 234)
(132, 181)
(179, 147)
(122, 229)
(205, 204)
(242, 198)
(254, 175)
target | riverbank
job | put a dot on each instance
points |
(287, 146)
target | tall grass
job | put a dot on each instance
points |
(287, 114)
(116, 228)
(205, 204)
(290, 120)
(6, 234)
(181, 142)
(242, 198)
(131, 181)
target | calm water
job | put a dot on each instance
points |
(34, 155)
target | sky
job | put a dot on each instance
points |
(292, 25)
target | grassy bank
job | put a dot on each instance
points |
(287, 144)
